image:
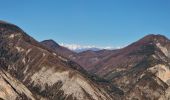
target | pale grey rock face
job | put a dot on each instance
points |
(32, 71)
(12, 89)
(6, 91)
(163, 49)
(161, 71)
(140, 70)
(29, 70)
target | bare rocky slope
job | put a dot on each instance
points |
(32, 71)
(87, 59)
(29, 70)
(141, 70)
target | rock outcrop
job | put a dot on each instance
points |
(29, 70)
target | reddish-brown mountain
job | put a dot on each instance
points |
(141, 69)
(29, 70)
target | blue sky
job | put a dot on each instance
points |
(89, 22)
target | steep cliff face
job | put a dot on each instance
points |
(31, 71)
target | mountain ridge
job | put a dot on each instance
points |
(31, 70)
(46, 74)
(136, 66)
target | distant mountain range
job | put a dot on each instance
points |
(142, 64)
(81, 48)
(85, 49)
(32, 70)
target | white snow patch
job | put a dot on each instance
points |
(77, 47)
